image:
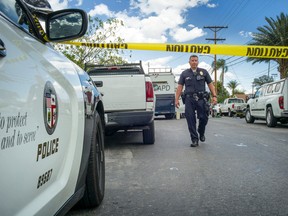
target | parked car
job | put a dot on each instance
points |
(51, 115)
(216, 110)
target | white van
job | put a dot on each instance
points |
(164, 87)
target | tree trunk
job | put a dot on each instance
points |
(283, 68)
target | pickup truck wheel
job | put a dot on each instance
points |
(213, 113)
(95, 179)
(230, 114)
(220, 112)
(271, 121)
(248, 117)
(149, 134)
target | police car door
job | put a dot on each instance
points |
(41, 122)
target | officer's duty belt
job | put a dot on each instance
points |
(198, 95)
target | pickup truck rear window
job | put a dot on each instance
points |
(236, 101)
(277, 87)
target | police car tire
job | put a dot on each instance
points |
(149, 134)
(95, 179)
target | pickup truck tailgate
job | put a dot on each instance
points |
(117, 94)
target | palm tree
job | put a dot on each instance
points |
(222, 93)
(262, 80)
(221, 64)
(273, 34)
(233, 85)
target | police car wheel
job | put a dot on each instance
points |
(95, 179)
(149, 134)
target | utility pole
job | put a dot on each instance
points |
(215, 29)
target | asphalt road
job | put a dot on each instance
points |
(241, 169)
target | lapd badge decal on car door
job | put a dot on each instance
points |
(50, 108)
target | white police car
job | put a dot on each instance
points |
(51, 115)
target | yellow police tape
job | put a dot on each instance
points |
(233, 50)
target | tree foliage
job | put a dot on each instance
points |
(274, 33)
(262, 80)
(221, 64)
(233, 84)
(98, 32)
(237, 91)
(222, 93)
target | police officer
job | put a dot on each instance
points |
(196, 98)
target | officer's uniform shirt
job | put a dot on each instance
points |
(194, 81)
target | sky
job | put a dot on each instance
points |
(183, 21)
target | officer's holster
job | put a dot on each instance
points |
(183, 97)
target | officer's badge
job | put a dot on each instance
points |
(201, 73)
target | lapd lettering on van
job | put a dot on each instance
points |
(161, 87)
(47, 148)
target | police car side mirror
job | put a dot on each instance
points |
(66, 24)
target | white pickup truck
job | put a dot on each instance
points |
(269, 103)
(129, 98)
(233, 106)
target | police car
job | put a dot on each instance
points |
(51, 114)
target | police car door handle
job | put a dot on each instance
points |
(2, 49)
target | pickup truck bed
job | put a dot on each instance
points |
(129, 98)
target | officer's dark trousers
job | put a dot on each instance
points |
(191, 105)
